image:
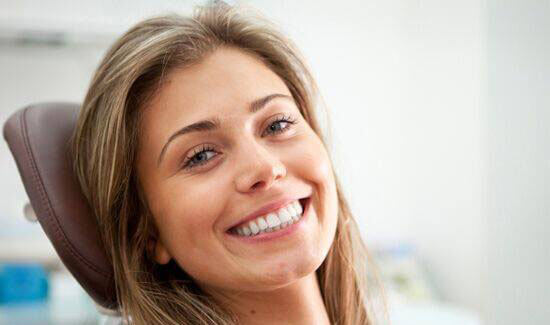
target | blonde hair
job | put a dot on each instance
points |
(105, 143)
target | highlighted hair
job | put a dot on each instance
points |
(105, 143)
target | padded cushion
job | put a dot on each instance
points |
(38, 137)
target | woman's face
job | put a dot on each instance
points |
(253, 157)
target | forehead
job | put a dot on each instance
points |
(221, 85)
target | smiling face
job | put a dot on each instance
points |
(256, 153)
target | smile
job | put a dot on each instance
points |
(274, 221)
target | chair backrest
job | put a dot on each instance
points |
(38, 137)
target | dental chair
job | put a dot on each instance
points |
(38, 136)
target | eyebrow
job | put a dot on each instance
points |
(214, 123)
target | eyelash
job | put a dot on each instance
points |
(188, 162)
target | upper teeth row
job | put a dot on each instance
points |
(281, 218)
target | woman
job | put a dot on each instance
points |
(199, 151)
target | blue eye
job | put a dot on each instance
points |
(286, 120)
(199, 158)
(202, 156)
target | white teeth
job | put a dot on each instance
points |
(284, 215)
(291, 210)
(254, 227)
(262, 223)
(294, 215)
(298, 207)
(272, 220)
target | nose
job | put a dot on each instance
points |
(259, 169)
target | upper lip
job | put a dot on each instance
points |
(270, 207)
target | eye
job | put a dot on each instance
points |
(275, 126)
(206, 152)
(199, 157)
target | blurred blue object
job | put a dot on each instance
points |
(21, 283)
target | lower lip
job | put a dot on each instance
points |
(268, 236)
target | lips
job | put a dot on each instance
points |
(271, 207)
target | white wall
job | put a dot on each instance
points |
(403, 82)
(518, 120)
(421, 151)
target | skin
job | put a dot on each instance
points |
(271, 282)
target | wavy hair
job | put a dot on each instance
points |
(104, 147)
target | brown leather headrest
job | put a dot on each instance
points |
(38, 137)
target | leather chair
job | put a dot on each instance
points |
(38, 136)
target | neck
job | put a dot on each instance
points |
(297, 303)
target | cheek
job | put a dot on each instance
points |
(313, 164)
(186, 216)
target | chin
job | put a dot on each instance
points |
(298, 262)
(282, 273)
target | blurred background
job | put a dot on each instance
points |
(439, 113)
